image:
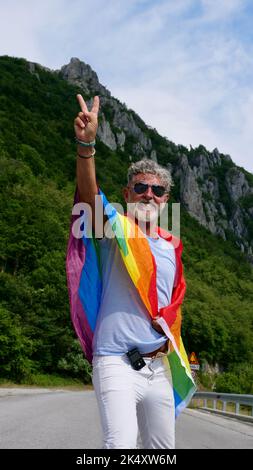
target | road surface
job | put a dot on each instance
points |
(50, 419)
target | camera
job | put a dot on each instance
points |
(135, 358)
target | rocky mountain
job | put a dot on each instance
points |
(216, 192)
(116, 123)
(37, 184)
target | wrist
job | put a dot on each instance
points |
(85, 143)
(84, 151)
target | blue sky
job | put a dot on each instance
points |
(185, 66)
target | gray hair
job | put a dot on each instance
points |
(149, 166)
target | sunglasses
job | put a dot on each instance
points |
(141, 188)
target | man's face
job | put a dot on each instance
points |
(145, 206)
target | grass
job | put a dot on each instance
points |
(48, 380)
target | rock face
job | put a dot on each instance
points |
(212, 189)
(190, 193)
(115, 121)
(105, 133)
(81, 74)
(236, 184)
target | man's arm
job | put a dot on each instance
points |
(85, 125)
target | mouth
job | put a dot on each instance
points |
(150, 204)
(144, 211)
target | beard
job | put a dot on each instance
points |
(145, 211)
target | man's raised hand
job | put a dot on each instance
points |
(86, 122)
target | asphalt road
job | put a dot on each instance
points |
(49, 419)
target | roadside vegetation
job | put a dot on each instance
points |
(37, 183)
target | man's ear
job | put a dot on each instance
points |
(125, 192)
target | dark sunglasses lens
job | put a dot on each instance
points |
(140, 188)
(158, 191)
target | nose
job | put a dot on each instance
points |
(149, 193)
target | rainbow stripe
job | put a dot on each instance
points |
(85, 287)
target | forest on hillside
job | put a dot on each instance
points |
(37, 184)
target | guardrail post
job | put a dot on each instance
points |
(226, 398)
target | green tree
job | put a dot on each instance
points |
(15, 347)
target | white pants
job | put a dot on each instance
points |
(130, 400)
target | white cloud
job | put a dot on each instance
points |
(22, 27)
(179, 64)
(217, 10)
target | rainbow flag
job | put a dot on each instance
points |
(85, 287)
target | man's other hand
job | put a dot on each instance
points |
(156, 326)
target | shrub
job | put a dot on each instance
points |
(239, 379)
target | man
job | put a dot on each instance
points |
(128, 317)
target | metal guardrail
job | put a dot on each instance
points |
(224, 398)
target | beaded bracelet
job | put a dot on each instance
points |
(87, 156)
(85, 144)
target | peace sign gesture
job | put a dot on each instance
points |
(86, 122)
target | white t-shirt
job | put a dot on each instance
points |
(123, 320)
